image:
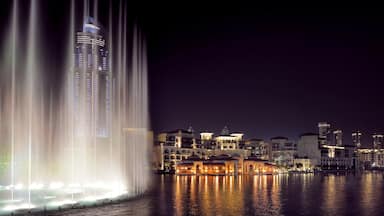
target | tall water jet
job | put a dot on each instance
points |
(88, 139)
(13, 93)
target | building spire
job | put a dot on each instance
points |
(225, 131)
(190, 129)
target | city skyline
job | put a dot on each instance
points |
(334, 133)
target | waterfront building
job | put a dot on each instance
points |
(179, 138)
(224, 165)
(206, 141)
(304, 164)
(229, 141)
(258, 148)
(338, 138)
(308, 147)
(215, 165)
(283, 151)
(324, 133)
(370, 158)
(356, 139)
(255, 166)
(337, 157)
(174, 146)
(378, 141)
(177, 145)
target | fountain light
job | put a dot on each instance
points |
(36, 186)
(49, 197)
(19, 186)
(74, 185)
(18, 207)
(62, 202)
(73, 191)
(90, 198)
(56, 185)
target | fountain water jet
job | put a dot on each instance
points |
(87, 142)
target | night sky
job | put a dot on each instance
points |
(257, 69)
(266, 71)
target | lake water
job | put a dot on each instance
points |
(295, 194)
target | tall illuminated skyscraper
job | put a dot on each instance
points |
(92, 81)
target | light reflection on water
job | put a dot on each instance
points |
(298, 194)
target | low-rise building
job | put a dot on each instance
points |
(224, 165)
(337, 157)
(370, 158)
(304, 165)
(255, 166)
(215, 165)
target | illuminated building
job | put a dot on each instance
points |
(370, 158)
(356, 139)
(215, 165)
(338, 157)
(92, 81)
(283, 151)
(338, 138)
(178, 138)
(255, 166)
(308, 147)
(378, 141)
(174, 146)
(227, 141)
(206, 141)
(224, 165)
(324, 133)
(258, 148)
(304, 165)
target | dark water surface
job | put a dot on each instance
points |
(299, 194)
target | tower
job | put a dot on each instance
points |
(356, 139)
(338, 138)
(92, 82)
(378, 141)
(324, 133)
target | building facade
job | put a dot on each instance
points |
(258, 148)
(92, 82)
(283, 151)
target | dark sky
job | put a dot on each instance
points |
(259, 69)
(266, 71)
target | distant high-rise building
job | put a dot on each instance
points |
(378, 141)
(356, 139)
(92, 81)
(324, 133)
(338, 138)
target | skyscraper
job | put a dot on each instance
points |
(378, 141)
(356, 139)
(338, 138)
(92, 81)
(324, 133)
